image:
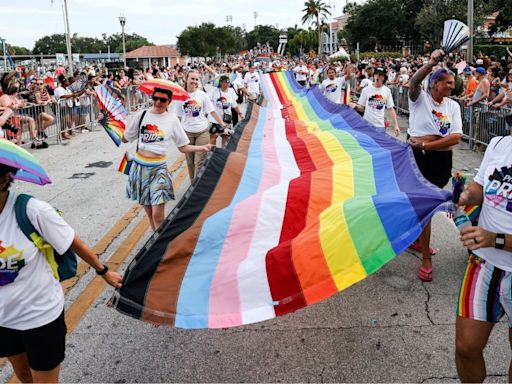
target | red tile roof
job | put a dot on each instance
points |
(153, 51)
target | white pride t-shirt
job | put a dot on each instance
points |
(156, 130)
(376, 101)
(30, 296)
(301, 72)
(252, 79)
(193, 111)
(223, 101)
(426, 117)
(332, 89)
(495, 176)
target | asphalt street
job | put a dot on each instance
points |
(390, 327)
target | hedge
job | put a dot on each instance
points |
(376, 55)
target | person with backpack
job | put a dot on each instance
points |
(32, 326)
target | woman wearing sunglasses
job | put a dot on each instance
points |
(192, 113)
(149, 181)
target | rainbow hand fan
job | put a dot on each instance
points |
(114, 119)
(455, 34)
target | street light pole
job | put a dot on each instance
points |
(122, 20)
(68, 38)
(471, 26)
(5, 55)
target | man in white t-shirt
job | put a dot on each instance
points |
(375, 100)
(484, 302)
(252, 83)
(301, 73)
(435, 127)
(332, 86)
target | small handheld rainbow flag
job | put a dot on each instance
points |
(458, 182)
(346, 95)
(126, 163)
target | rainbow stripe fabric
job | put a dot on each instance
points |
(114, 113)
(29, 168)
(306, 200)
(126, 163)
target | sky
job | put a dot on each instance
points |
(160, 21)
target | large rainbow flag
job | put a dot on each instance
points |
(306, 200)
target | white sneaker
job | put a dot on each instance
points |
(85, 130)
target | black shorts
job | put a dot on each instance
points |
(435, 166)
(45, 346)
(216, 129)
(302, 82)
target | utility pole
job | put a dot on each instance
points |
(471, 22)
(255, 14)
(68, 38)
(229, 20)
(122, 20)
(5, 55)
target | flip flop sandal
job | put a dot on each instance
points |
(425, 274)
(417, 247)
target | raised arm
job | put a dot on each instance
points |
(422, 73)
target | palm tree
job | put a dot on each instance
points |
(316, 9)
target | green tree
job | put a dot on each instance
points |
(15, 50)
(209, 40)
(49, 45)
(377, 22)
(303, 41)
(316, 10)
(504, 18)
(262, 34)
(132, 41)
(430, 20)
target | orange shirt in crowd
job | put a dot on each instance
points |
(471, 86)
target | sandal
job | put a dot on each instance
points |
(417, 247)
(425, 274)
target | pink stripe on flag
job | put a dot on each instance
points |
(225, 308)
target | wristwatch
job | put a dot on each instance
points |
(103, 271)
(499, 243)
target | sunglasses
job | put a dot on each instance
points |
(161, 99)
(39, 83)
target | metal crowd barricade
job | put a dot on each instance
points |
(34, 122)
(135, 100)
(400, 98)
(487, 123)
(76, 114)
(479, 123)
(50, 122)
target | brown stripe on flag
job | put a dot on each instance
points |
(163, 290)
